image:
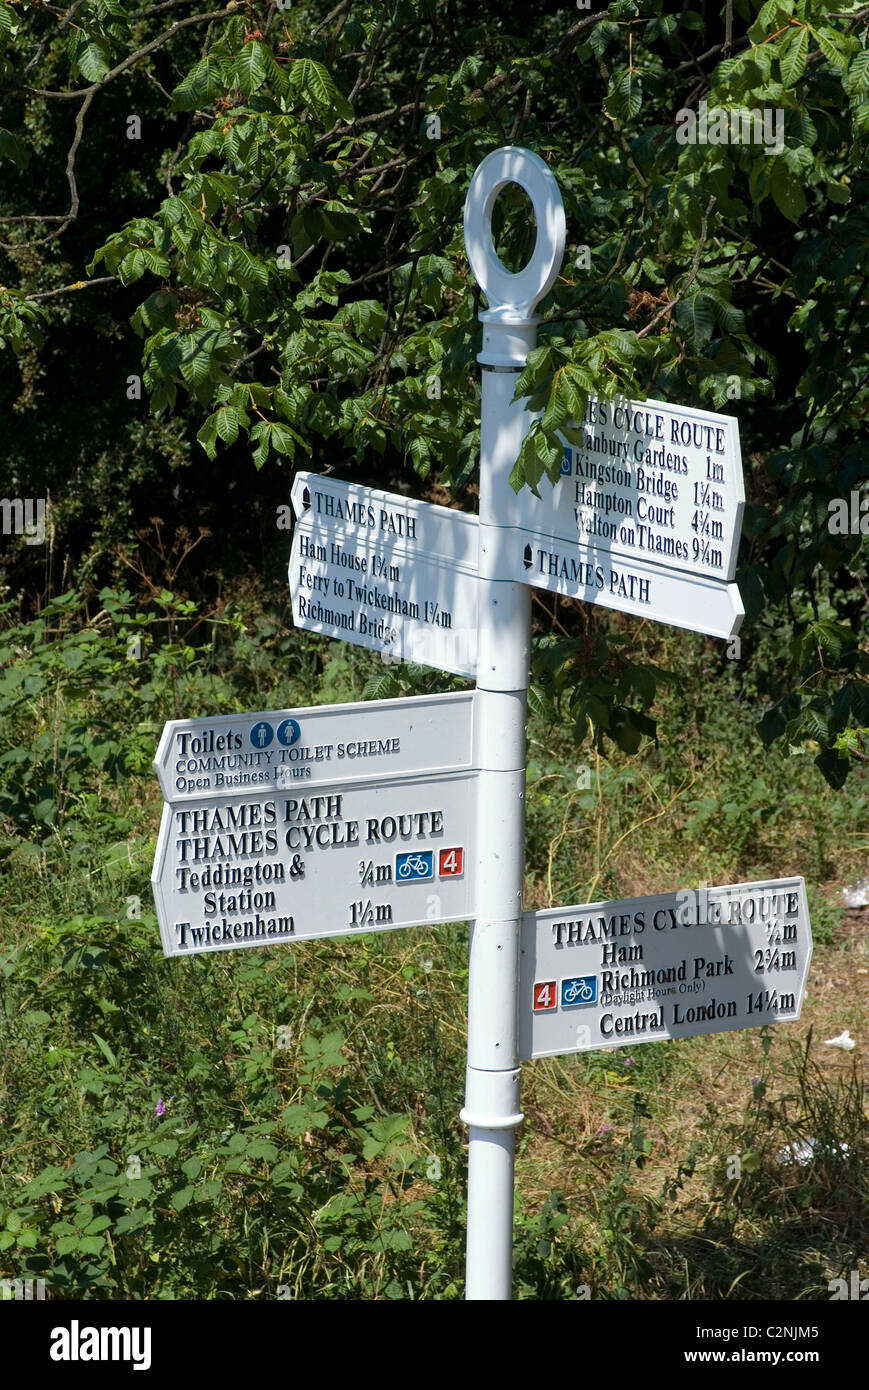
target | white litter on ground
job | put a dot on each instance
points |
(857, 894)
(804, 1151)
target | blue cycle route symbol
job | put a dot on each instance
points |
(414, 866)
(579, 992)
(288, 732)
(261, 734)
(565, 464)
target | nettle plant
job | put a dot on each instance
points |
(295, 233)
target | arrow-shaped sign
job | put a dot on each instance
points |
(386, 572)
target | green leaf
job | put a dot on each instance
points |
(262, 1148)
(207, 436)
(311, 79)
(383, 1134)
(813, 723)
(51, 1179)
(297, 1119)
(802, 127)
(135, 1190)
(835, 769)
(626, 732)
(84, 1216)
(386, 1240)
(156, 261)
(181, 1198)
(204, 81)
(287, 1168)
(834, 50)
(557, 410)
(858, 72)
(696, 316)
(13, 149)
(195, 364)
(793, 58)
(550, 453)
(72, 658)
(732, 320)
(105, 1050)
(208, 1191)
(91, 59)
(250, 270)
(541, 705)
(787, 191)
(227, 423)
(252, 67)
(132, 267)
(625, 96)
(601, 35)
(833, 638)
(420, 456)
(281, 438)
(133, 1220)
(90, 1245)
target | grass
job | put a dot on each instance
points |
(346, 1179)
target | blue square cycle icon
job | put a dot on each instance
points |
(579, 992)
(414, 866)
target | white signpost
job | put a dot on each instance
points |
(295, 749)
(558, 545)
(326, 860)
(385, 572)
(491, 1109)
(287, 825)
(699, 961)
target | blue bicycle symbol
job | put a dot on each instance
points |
(580, 990)
(414, 865)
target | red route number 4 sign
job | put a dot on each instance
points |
(545, 996)
(451, 863)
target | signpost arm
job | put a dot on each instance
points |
(491, 1108)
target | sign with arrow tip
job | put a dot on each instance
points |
(385, 572)
(645, 517)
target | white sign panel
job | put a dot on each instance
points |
(288, 749)
(616, 974)
(328, 860)
(386, 572)
(630, 586)
(653, 482)
(645, 518)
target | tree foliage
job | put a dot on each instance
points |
(292, 242)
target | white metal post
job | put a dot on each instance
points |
(491, 1107)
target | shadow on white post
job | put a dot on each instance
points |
(491, 1108)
